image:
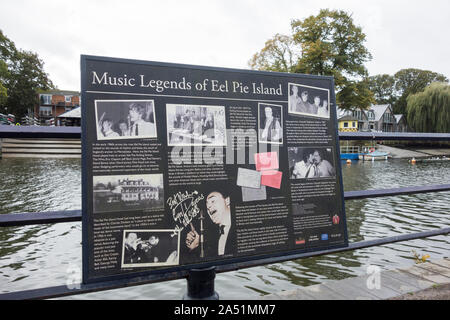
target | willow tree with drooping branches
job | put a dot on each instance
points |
(429, 110)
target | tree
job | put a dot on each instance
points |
(4, 74)
(278, 54)
(7, 54)
(331, 45)
(327, 44)
(25, 83)
(355, 94)
(410, 81)
(23, 78)
(429, 111)
(383, 88)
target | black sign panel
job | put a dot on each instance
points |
(189, 166)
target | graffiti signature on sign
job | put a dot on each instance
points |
(184, 208)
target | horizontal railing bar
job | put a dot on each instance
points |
(362, 194)
(394, 136)
(61, 291)
(29, 218)
(75, 132)
(39, 132)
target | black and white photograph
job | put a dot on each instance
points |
(150, 248)
(125, 119)
(311, 162)
(128, 192)
(309, 101)
(211, 232)
(192, 125)
(270, 123)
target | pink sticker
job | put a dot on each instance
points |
(266, 161)
(271, 178)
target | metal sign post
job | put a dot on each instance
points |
(200, 285)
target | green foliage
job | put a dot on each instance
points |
(4, 74)
(22, 76)
(355, 93)
(278, 54)
(331, 45)
(410, 81)
(327, 44)
(383, 88)
(429, 111)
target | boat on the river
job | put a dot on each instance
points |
(375, 155)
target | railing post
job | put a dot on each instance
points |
(200, 284)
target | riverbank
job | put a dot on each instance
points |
(430, 280)
(398, 153)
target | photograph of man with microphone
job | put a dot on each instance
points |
(210, 234)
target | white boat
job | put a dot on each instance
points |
(374, 155)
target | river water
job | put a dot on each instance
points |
(50, 255)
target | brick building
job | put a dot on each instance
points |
(54, 103)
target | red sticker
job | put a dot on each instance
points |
(271, 178)
(266, 161)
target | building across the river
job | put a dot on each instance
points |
(54, 103)
(377, 118)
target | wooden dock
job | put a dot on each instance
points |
(392, 284)
(40, 148)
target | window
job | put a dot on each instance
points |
(68, 99)
(371, 115)
(46, 99)
(45, 111)
(357, 114)
(345, 124)
(353, 124)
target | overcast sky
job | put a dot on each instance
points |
(400, 34)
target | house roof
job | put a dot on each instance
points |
(74, 113)
(342, 112)
(61, 92)
(398, 117)
(379, 110)
(348, 117)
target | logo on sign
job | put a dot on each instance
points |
(324, 237)
(335, 219)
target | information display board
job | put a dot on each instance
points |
(195, 166)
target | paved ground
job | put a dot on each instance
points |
(434, 293)
(435, 152)
(430, 280)
(398, 153)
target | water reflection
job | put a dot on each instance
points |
(38, 256)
